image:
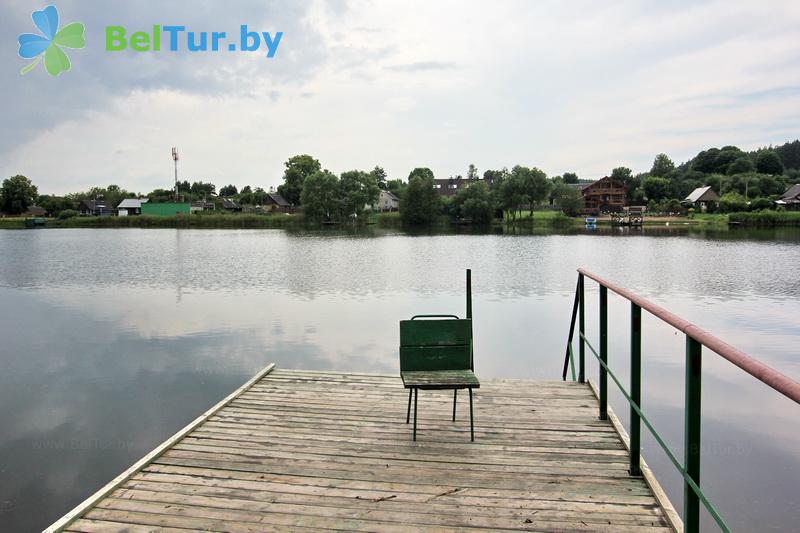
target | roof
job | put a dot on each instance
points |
(792, 193)
(95, 204)
(702, 194)
(132, 203)
(392, 195)
(229, 203)
(36, 210)
(584, 186)
(278, 199)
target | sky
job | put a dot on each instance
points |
(566, 86)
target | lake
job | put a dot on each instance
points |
(113, 339)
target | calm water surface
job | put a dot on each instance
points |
(112, 340)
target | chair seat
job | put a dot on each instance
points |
(440, 379)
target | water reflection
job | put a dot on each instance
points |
(111, 340)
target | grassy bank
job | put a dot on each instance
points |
(191, 221)
(766, 219)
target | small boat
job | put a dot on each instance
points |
(34, 222)
(590, 220)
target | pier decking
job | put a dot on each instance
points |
(309, 451)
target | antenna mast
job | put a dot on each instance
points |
(175, 159)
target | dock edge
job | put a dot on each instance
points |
(660, 495)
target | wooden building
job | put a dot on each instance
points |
(604, 196)
(702, 198)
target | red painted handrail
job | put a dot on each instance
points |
(778, 381)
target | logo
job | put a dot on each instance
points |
(49, 44)
(177, 38)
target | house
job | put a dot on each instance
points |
(230, 204)
(605, 195)
(450, 186)
(35, 211)
(196, 207)
(275, 202)
(131, 206)
(167, 209)
(387, 201)
(95, 208)
(791, 198)
(702, 197)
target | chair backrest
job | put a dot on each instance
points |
(435, 344)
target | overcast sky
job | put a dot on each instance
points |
(564, 86)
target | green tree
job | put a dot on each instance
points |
(725, 158)
(534, 183)
(228, 190)
(625, 176)
(705, 161)
(740, 165)
(511, 192)
(768, 162)
(656, 188)
(790, 154)
(202, 189)
(569, 199)
(420, 203)
(570, 177)
(474, 203)
(17, 195)
(472, 172)
(54, 204)
(662, 166)
(396, 187)
(321, 197)
(731, 202)
(298, 168)
(357, 190)
(380, 177)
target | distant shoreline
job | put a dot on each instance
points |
(540, 219)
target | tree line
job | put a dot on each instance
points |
(745, 181)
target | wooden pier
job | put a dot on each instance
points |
(308, 451)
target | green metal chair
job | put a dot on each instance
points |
(436, 354)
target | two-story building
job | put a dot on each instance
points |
(605, 195)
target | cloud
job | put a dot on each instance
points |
(581, 87)
(421, 66)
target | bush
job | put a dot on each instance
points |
(761, 203)
(67, 213)
(766, 218)
(732, 202)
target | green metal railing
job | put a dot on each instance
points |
(696, 338)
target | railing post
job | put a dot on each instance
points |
(691, 501)
(603, 352)
(581, 331)
(636, 387)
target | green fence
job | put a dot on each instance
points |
(166, 209)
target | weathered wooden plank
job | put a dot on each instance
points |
(457, 501)
(411, 476)
(301, 437)
(344, 518)
(437, 491)
(382, 510)
(320, 450)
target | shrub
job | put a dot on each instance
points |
(67, 213)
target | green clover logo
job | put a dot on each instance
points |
(50, 42)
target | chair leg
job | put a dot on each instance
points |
(471, 423)
(455, 396)
(408, 411)
(416, 393)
